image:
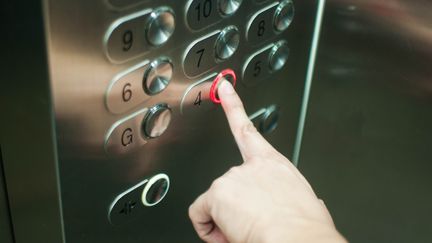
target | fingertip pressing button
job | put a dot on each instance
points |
(228, 75)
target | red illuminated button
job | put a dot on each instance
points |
(227, 74)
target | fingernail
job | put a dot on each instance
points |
(226, 88)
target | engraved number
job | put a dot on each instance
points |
(204, 10)
(257, 69)
(127, 40)
(127, 92)
(261, 28)
(198, 99)
(201, 53)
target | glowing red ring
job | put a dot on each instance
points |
(216, 81)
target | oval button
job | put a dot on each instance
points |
(125, 135)
(127, 205)
(260, 26)
(202, 13)
(125, 91)
(256, 67)
(197, 96)
(200, 55)
(125, 38)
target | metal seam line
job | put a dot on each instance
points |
(308, 81)
(46, 18)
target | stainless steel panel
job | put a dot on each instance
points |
(195, 149)
(367, 144)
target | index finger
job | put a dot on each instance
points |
(250, 142)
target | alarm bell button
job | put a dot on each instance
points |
(228, 75)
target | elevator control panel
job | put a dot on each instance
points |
(140, 129)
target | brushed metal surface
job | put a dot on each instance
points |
(367, 146)
(196, 148)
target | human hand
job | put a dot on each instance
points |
(266, 199)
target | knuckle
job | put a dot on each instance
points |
(233, 170)
(218, 189)
(246, 130)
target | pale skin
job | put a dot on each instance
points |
(265, 199)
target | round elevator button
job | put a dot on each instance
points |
(155, 190)
(227, 43)
(160, 26)
(157, 76)
(229, 7)
(269, 120)
(278, 56)
(284, 15)
(156, 121)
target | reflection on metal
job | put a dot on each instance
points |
(308, 81)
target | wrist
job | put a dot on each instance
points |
(296, 230)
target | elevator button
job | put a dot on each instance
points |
(197, 96)
(155, 190)
(156, 121)
(279, 56)
(127, 205)
(227, 43)
(200, 55)
(125, 136)
(125, 90)
(284, 15)
(160, 26)
(157, 76)
(228, 75)
(266, 119)
(229, 7)
(256, 67)
(260, 26)
(125, 38)
(201, 14)
(135, 201)
(269, 120)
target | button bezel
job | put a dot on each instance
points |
(149, 184)
(150, 114)
(152, 67)
(221, 76)
(221, 40)
(157, 13)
